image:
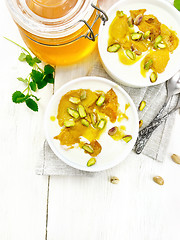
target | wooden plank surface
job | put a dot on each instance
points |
(75, 207)
(92, 208)
(23, 195)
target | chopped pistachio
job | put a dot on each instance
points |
(176, 158)
(161, 45)
(127, 138)
(136, 36)
(74, 100)
(91, 162)
(114, 47)
(153, 77)
(101, 124)
(94, 118)
(148, 64)
(100, 101)
(147, 34)
(73, 113)
(142, 105)
(131, 54)
(140, 123)
(88, 148)
(158, 39)
(119, 13)
(83, 95)
(130, 22)
(159, 180)
(85, 122)
(69, 123)
(114, 180)
(137, 52)
(81, 111)
(112, 131)
(138, 19)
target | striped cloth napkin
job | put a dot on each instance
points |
(50, 164)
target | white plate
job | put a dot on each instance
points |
(113, 152)
(130, 75)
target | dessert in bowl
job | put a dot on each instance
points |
(139, 46)
(91, 124)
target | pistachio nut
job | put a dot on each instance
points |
(153, 77)
(113, 48)
(140, 123)
(112, 131)
(159, 180)
(176, 158)
(91, 162)
(130, 54)
(142, 105)
(119, 13)
(138, 19)
(114, 180)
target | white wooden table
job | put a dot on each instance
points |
(68, 208)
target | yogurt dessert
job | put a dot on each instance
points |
(139, 46)
(94, 127)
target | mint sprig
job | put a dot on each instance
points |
(177, 4)
(38, 78)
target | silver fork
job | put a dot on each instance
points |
(173, 87)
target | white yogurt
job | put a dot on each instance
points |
(130, 75)
(112, 152)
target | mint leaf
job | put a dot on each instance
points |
(36, 60)
(30, 60)
(37, 99)
(36, 76)
(23, 80)
(49, 78)
(22, 57)
(33, 86)
(177, 4)
(41, 84)
(48, 69)
(18, 97)
(32, 104)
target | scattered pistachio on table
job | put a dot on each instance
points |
(114, 180)
(159, 180)
(176, 158)
(140, 123)
(142, 105)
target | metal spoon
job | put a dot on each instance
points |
(173, 87)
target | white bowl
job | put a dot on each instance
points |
(113, 152)
(130, 75)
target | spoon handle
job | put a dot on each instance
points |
(146, 133)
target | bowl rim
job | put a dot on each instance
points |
(73, 164)
(160, 3)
